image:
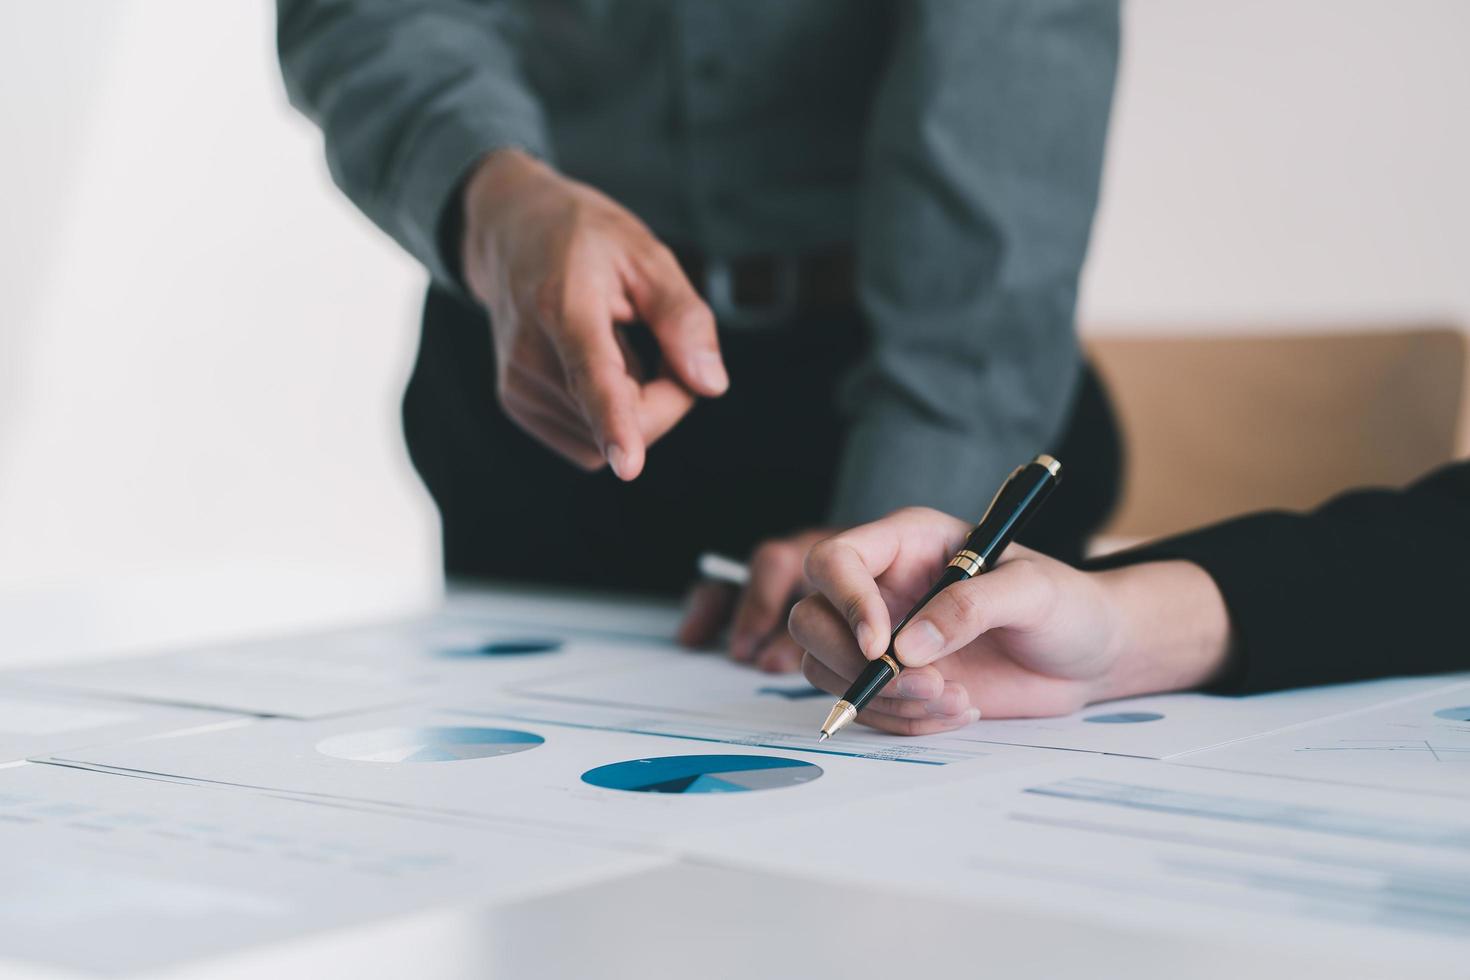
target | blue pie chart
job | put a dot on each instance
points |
(1454, 714)
(427, 744)
(1124, 718)
(703, 774)
(511, 646)
(519, 646)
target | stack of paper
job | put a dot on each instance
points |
(322, 675)
(1420, 744)
(510, 745)
(34, 723)
(1156, 727)
(1185, 850)
(531, 770)
(116, 875)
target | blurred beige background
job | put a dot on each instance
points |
(202, 345)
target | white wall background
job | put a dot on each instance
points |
(1278, 162)
(202, 346)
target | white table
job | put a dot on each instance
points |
(691, 920)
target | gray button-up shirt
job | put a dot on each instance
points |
(956, 143)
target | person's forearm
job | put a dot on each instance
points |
(1172, 629)
(408, 97)
(1370, 584)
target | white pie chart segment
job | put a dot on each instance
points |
(428, 744)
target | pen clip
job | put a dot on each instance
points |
(991, 506)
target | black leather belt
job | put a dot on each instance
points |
(769, 290)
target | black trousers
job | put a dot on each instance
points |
(755, 464)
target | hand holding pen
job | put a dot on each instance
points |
(1012, 507)
(1033, 637)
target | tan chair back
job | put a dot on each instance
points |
(1222, 425)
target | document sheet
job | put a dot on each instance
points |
(586, 775)
(114, 874)
(35, 723)
(1145, 843)
(1420, 744)
(321, 675)
(1156, 727)
(511, 744)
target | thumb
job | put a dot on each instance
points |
(681, 323)
(1012, 595)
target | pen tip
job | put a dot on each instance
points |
(840, 715)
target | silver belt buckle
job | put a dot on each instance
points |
(719, 292)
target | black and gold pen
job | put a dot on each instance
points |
(1013, 505)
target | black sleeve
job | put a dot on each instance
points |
(1372, 583)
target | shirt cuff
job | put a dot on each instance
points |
(443, 156)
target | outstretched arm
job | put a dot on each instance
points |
(1371, 584)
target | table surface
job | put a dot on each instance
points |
(691, 919)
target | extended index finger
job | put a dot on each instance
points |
(845, 570)
(598, 378)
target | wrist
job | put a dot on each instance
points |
(1173, 631)
(498, 180)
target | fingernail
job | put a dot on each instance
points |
(710, 370)
(918, 642)
(918, 686)
(974, 715)
(864, 637)
(618, 460)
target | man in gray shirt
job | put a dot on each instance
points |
(823, 253)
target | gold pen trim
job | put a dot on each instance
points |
(968, 562)
(1050, 462)
(841, 714)
(892, 662)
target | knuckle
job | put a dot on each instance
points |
(656, 253)
(965, 607)
(697, 318)
(852, 609)
(819, 558)
(1022, 566)
(1035, 579)
(588, 217)
(915, 514)
(772, 555)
